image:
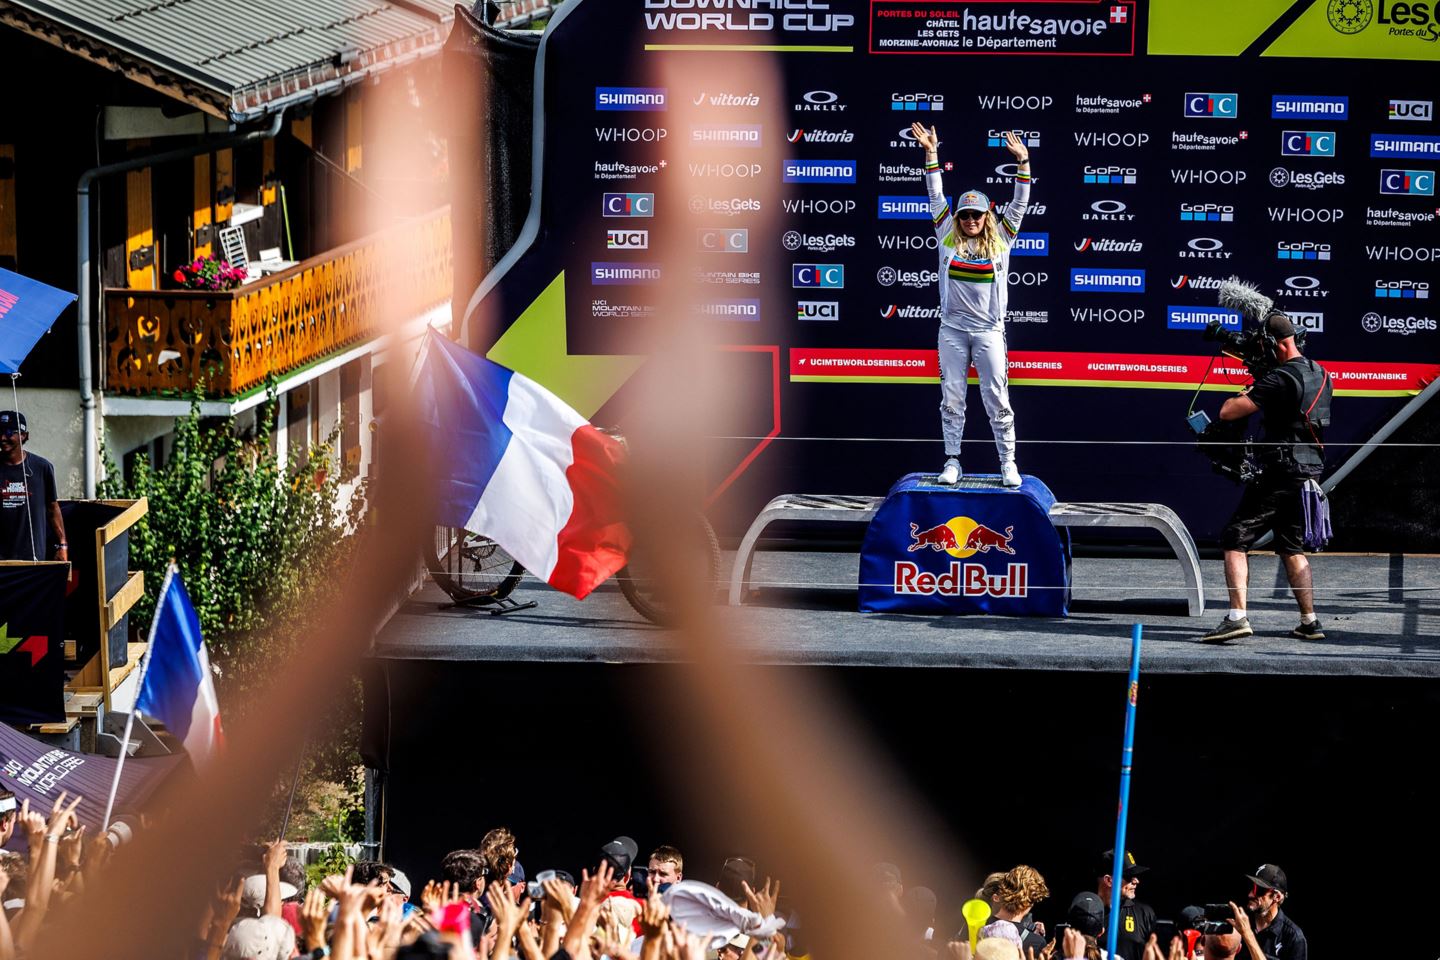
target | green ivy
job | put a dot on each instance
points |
(259, 543)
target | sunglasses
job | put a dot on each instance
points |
(971, 214)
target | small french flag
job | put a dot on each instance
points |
(177, 688)
(516, 464)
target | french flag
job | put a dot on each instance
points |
(514, 463)
(177, 688)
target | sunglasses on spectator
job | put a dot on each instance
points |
(971, 214)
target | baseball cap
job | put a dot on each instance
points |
(517, 874)
(1279, 325)
(1107, 864)
(12, 420)
(739, 941)
(259, 938)
(1087, 914)
(972, 200)
(1270, 877)
(620, 853)
(994, 948)
(252, 895)
(400, 882)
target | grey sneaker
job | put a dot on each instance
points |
(1229, 630)
(1308, 631)
(951, 474)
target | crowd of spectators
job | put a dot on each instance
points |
(482, 906)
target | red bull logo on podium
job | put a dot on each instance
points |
(961, 538)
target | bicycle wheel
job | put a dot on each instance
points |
(471, 568)
(645, 592)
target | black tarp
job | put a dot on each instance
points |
(32, 638)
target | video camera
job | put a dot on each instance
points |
(1212, 918)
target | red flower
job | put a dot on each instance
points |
(179, 276)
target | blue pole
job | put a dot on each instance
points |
(1117, 868)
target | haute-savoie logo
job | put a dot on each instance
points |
(962, 538)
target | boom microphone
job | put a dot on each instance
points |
(1236, 294)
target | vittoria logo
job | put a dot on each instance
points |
(1107, 245)
(894, 312)
(799, 135)
(1188, 282)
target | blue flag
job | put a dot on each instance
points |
(27, 309)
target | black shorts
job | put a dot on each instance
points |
(1266, 506)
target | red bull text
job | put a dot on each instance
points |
(963, 580)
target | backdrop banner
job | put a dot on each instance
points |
(32, 626)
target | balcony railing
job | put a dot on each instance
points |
(168, 342)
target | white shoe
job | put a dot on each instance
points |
(1009, 474)
(951, 474)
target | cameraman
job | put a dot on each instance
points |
(1294, 403)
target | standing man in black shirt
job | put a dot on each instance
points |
(1294, 403)
(29, 507)
(1276, 933)
(1137, 920)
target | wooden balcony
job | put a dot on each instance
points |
(169, 342)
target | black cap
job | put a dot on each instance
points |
(10, 419)
(620, 853)
(1087, 914)
(1279, 326)
(1107, 865)
(1270, 877)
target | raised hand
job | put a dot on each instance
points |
(1073, 943)
(274, 859)
(71, 845)
(927, 138)
(762, 901)
(653, 915)
(1016, 147)
(313, 914)
(558, 903)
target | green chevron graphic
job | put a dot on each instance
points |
(7, 642)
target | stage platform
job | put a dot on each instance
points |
(1381, 615)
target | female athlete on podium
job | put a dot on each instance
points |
(974, 263)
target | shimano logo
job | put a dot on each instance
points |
(904, 208)
(745, 136)
(1309, 108)
(1198, 318)
(1031, 245)
(747, 310)
(819, 171)
(630, 98)
(1421, 148)
(607, 273)
(1107, 281)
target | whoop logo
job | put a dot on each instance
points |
(829, 276)
(1213, 106)
(1307, 143)
(628, 205)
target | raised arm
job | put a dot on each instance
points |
(1014, 211)
(939, 206)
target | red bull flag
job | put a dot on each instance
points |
(515, 464)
